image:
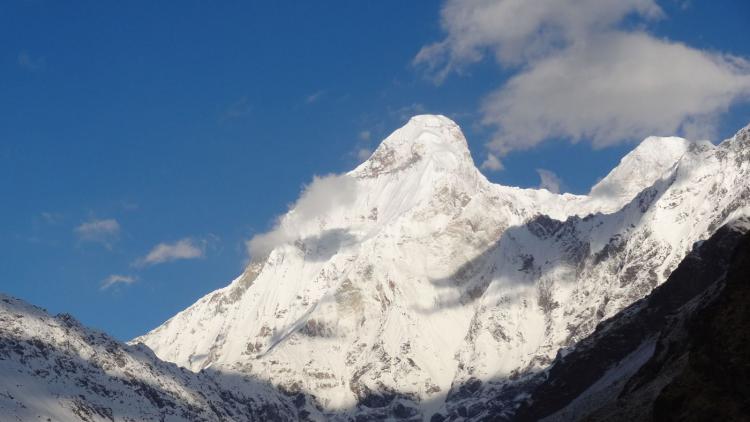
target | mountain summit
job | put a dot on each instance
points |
(423, 279)
(435, 139)
(640, 168)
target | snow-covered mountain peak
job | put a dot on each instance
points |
(419, 274)
(740, 142)
(640, 168)
(425, 138)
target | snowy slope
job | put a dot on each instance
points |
(426, 276)
(53, 369)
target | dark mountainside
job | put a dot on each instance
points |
(715, 382)
(696, 323)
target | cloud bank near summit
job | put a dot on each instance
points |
(319, 197)
(585, 70)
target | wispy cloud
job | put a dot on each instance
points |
(105, 232)
(363, 153)
(322, 195)
(364, 135)
(186, 248)
(314, 97)
(115, 279)
(362, 149)
(236, 110)
(492, 163)
(408, 111)
(128, 205)
(579, 76)
(549, 180)
(33, 64)
(50, 217)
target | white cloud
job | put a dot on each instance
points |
(30, 63)
(321, 196)
(408, 111)
(549, 180)
(364, 135)
(492, 163)
(51, 217)
(105, 232)
(516, 31)
(238, 109)
(580, 76)
(129, 205)
(363, 153)
(186, 248)
(314, 97)
(116, 279)
(618, 87)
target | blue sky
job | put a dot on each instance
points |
(191, 125)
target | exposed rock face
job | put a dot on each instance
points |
(431, 282)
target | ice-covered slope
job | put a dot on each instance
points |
(425, 276)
